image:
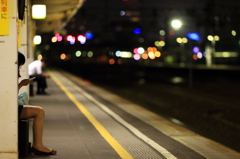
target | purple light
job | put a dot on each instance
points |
(136, 57)
(196, 50)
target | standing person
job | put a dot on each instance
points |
(35, 70)
(35, 112)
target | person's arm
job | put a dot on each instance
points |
(24, 82)
(45, 75)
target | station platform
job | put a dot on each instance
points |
(84, 121)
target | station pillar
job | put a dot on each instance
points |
(9, 80)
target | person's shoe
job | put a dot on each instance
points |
(45, 93)
(42, 93)
(37, 152)
(39, 92)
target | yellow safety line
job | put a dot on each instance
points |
(105, 134)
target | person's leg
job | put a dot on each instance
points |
(41, 84)
(38, 114)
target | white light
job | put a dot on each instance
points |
(136, 57)
(126, 54)
(199, 55)
(118, 53)
(37, 39)
(122, 13)
(39, 11)
(176, 24)
(141, 50)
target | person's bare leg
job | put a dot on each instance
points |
(38, 114)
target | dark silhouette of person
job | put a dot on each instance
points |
(35, 70)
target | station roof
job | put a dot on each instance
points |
(59, 12)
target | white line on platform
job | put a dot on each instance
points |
(135, 131)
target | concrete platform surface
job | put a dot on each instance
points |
(84, 121)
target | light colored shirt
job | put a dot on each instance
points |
(35, 68)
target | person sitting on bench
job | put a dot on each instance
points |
(35, 112)
(35, 70)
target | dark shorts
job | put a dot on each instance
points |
(20, 108)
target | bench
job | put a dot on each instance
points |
(31, 89)
(23, 129)
(23, 138)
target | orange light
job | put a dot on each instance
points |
(111, 61)
(104, 58)
(145, 56)
(63, 56)
(150, 49)
(119, 61)
(195, 57)
(154, 49)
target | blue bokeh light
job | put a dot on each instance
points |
(193, 36)
(88, 35)
(137, 31)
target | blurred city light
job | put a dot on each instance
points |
(135, 50)
(182, 40)
(90, 54)
(126, 54)
(140, 50)
(118, 53)
(81, 39)
(162, 32)
(234, 33)
(157, 54)
(59, 38)
(193, 36)
(195, 57)
(69, 37)
(54, 39)
(88, 35)
(78, 53)
(196, 50)
(122, 13)
(137, 31)
(162, 43)
(171, 32)
(213, 38)
(199, 55)
(144, 56)
(72, 41)
(216, 38)
(111, 61)
(63, 56)
(176, 24)
(119, 61)
(136, 57)
(151, 55)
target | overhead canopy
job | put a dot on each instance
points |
(59, 12)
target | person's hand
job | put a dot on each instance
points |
(25, 82)
(47, 75)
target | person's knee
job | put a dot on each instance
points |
(40, 110)
(31, 112)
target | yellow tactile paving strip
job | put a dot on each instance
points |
(206, 147)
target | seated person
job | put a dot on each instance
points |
(35, 70)
(35, 112)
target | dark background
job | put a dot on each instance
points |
(202, 96)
